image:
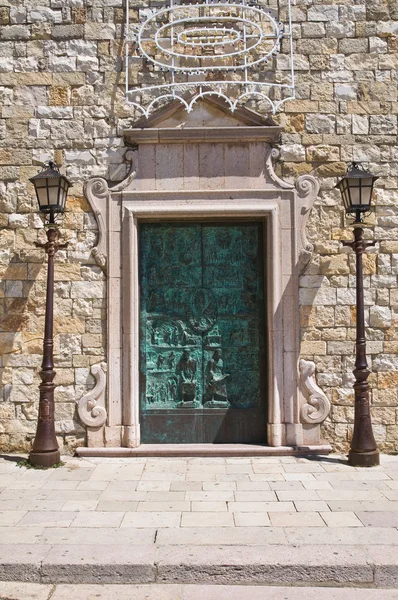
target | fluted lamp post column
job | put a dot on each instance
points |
(51, 191)
(356, 189)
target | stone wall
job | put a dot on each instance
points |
(62, 97)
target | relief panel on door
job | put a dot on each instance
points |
(202, 358)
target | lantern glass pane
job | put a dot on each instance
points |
(41, 192)
(53, 186)
(367, 186)
(344, 193)
(355, 192)
(62, 197)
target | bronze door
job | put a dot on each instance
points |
(202, 332)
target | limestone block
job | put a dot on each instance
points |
(377, 44)
(317, 123)
(90, 340)
(385, 397)
(346, 91)
(383, 124)
(320, 296)
(340, 348)
(59, 95)
(67, 32)
(68, 427)
(6, 238)
(293, 152)
(311, 348)
(83, 307)
(385, 362)
(22, 376)
(329, 379)
(14, 271)
(88, 289)
(336, 334)
(383, 415)
(52, 112)
(323, 153)
(64, 411)
(340, 29)
(7, 411)
(333, 265)
(24, 393)
(313, 30)
(87, 63)
(4, 15)
(315, 316)
(384, 281)
(99, 31)
(70, 344)
(387, 380)
(360, 124)
(81, 360)
(353, 45)
(323, 13)
(15, 32)
(343, 414)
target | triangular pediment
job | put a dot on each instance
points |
(209, 111)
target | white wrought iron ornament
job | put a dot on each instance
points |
(185, 51)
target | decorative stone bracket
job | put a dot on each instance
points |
(317, 407)
(91, 407)
(98, 195)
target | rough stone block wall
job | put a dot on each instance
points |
(62, 97)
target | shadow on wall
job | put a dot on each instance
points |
(23, 282)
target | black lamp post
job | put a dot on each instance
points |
(51, 190)
(356, 189)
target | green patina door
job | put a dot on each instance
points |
(202, 350)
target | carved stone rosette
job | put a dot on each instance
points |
(317, 407)
(91, 407)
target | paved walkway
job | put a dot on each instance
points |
(226, 521)
(38, 591)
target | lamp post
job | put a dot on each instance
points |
(51, 191)
(356, 190)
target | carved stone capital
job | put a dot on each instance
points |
(98, 194)
(317, 407)
(91, 407)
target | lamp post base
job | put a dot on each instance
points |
(364, 459)
(44, 459)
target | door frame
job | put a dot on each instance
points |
(162, 186)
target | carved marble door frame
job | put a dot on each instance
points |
(296, 404)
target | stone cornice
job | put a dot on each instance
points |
(269, 134)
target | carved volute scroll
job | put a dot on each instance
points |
(317, 407)
(98, 195)
(271, 157)
(307, 188)
(91, 407)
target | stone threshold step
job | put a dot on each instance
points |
(331, 565)
(212, 450)
(37, 591)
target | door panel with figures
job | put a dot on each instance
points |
(202, 332)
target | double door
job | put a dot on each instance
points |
(202, 332)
